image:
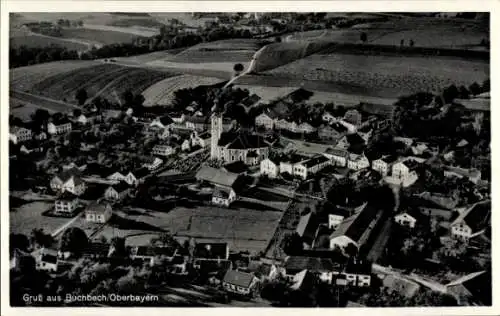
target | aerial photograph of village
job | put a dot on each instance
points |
(249, 159)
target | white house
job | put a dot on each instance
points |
(66, 203)
(163, 150)
(311, 166)
(405, 169)
(408, 218)
(357, 273)
(357, 162)
(338, 156)
(186, 145)
(162, 122)
(405, 140)
(19, 134)
(98, 212)
(117, 192)
(60, 127)
(223, 196)
(383, 165)
(472, 221)
(270, 167)
(264, 120)
(70, 181)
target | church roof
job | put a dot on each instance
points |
(240, 140)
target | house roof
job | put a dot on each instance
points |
(259, 268)
(61, 121)
(66, 175)
(314, 264)
(236, 167)
(148, 251)
(413, 212)
(355, 225)
(385, 110)
(166, 120)
(211, 251)
(216, 176)
(120, 186)
(300, 279)
(307, 227)
(97, 207)
(355, 139)
(97, 248)
(316, 160)
(241, 140)
(141, 172)
(66, 196)
(477, 216)
(389, 159)
(239, 278)
(337, 152)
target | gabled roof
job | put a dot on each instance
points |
(477, 216)
(355, 225)
(307, 227)
(61, 121)
(316, 160)
(97, 207)
(66, 196)
(216, 176)
(239, 278)
(241, 140)
(314, 264)
(355, 139)
(236, 167)
(211, 251)
(413, 212)
(388, 159)
(120, 186)
(68, 174)
(148, 251)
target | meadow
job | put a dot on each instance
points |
(29, 216)
(33, 41)
(100, 36)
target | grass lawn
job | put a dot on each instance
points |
(32, 41)
(29, 216)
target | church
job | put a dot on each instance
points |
(235, 145)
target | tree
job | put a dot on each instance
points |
(292, 244)
(363, 37)
(77, 112)
(238, 67)
(450, 93)
(463, 93)
(38, 237)
(412, 43)
(486, 87)
(73, 240)
(277, 39)
(18, 241)
(475, 89)
(402, 42)
(81, 96)
(40, 117)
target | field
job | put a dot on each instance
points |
(137, 21)
(100, 36)
(268, 94)
(99, 79)
(24, 78)
(29, 216)
(162, 92)
(44, 41)
(243, 229)
(385, 76)
(146, 58)
(133, 30)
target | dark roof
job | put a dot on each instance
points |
(478, 284)
(250, 100)
(337, 152)
(49, 258)
(120, 186)
(166, 120)
(141, 172)
(66, 196)
(477, 217)
(355, 139)
(389, 159)
(411, 164)
(355, 225)
(358, 267)
(241, 140)
(96, 248)
(315, 161)
(413, 212)
(307, 227)
(236, 167)
(148, 251)
(211, 251)
(314, 264)
(239, 278)
(67, 174)
(97, 207)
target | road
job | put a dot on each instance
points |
(41, 102)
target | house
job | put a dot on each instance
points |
(324, 268)
(116, 176)
(331, 132)
(163, 150)
(217, 177)
(356, 273)
(210, 252)
(384, 164)
(472, 289)
(186, 145)
(200, 139)
(68, 180)
(47, 260)
(112, 112)
(408, 218)
(305, 128)
(307, 228)
(336, 215)
(405, 140)
(19, 134)
(162, 122)
(357, 162)
(238, 282)
(97, 250)
(89, 118)
(430, 208)
(153, 255)
(355, 229)
(419, 148)
(311, 166)
(117, 192)
(472, 221)
(223, 196)
(405, 170)
(339, 157)
(266, 119)
(60, 126)
(151, 164)
(98, 212)
(270, 167)
(66, 203)
(353, 116)
(474, 175)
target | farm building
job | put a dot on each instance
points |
(163, 150)
(356, 273)
(66, 203)
(239, 282)
(339, 157)
(117, 192)
(324, 268)
(357, 162)
(472, 221)
(307, 228)
(68, 180)
(47, 260)
(19, 134)
(223, 196)
(334, 131)
(60, 126)
(306, 168)
(270, 167)
(153, 255)
(98, 212)
(409, 218)
(217, 252)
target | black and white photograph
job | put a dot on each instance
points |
(248, 159)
